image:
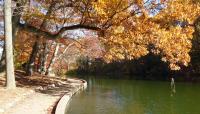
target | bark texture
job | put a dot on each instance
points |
(30, 65)
(49, 68)
(10, 77)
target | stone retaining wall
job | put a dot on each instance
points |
(64, 101)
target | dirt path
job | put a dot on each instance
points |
(36, 103)
(9, 98)
(42, 101)
(35, 94)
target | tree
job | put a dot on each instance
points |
(165, 29)
(10, 77)
(128, 29)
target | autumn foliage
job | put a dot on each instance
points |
(167, 33)
(126, 29)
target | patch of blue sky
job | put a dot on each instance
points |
(1, 2)
(148, 6)
(54, 27)
(75, 34)
(79, 33)
(1, 43)
(134, 8)
(1, 47)
(66, 13)
(1, 24)
(153, 11)
(70, 24)
(1, 28)
(38, 6)
(1, 5)
(22, 21)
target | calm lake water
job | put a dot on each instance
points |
(107, 96)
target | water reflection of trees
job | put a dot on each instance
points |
(147, 67)
(140, 97)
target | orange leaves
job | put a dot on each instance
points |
(181, 10)
(175, 38)
(111, 10)
(23, 46)
(130, 28)
(168, 32)
(139, 2)
(119, 29)
(175, 46)
(122, 43)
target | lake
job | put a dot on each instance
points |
(112, 96)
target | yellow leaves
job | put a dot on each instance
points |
(99, 7)
(174, 67)
(139, 2)
(172, 42)
(180, 10)
(123, 44)
(175, 53)
(130, 39)
(112, 10)
(120, 56)
(164, 59)
(119, 29)
(168, 32)
(175, 46)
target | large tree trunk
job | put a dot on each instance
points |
(56, 57)
(38, 67)
(42, 57)
(49, 68)
(46, 54)
(19, 8)
(10, 77)
(15, 25)
(3, 60)
(30, 65)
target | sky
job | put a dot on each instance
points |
(1, 25)
(1, 18)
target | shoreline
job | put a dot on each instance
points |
(41, 98)
(65, 100)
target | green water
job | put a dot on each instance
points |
(106, 96)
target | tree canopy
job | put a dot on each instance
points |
(128, 29)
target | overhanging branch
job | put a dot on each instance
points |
(58, 34)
